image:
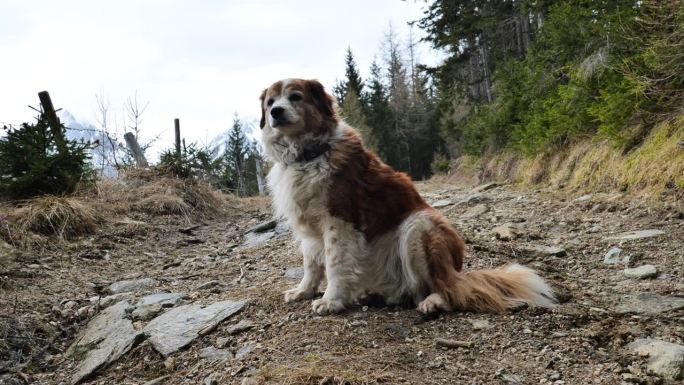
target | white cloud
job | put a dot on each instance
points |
(199, 61)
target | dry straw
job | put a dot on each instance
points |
(63, 217)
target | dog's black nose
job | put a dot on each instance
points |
(277, 112)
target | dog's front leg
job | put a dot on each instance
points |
(312, 251)
(343, 248)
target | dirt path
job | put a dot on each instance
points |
(583, 341)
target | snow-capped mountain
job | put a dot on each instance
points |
(102, 148)
(250, 127)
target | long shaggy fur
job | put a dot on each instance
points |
(362, 225)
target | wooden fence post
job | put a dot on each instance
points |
(176, 123)
(51, 116)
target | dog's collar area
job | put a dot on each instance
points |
(312, 152)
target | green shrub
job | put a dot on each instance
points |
(31, 163)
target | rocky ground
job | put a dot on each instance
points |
(616, 263)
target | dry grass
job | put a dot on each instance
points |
(163, 204)
(171, 196)
(63, 217)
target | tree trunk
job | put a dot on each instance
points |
(136, 151)
(484, 53)
(260, 176)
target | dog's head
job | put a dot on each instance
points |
(296, 106)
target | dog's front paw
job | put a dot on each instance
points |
(298, 294)
(325, 306)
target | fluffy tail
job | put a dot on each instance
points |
(498, 289)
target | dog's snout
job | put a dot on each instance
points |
(277, 112)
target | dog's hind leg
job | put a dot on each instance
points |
(312, 251)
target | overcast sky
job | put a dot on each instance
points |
(200, 61)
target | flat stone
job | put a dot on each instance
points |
(664, 358)
(641, 272)
(212, 354)
(245, 350)
(543, 251)
(647, 303)
(163, 299)
(253, 240)
(638, 234)
(507, 232)
(147, 312)
(105, 302)
(179, 326)
(442, 203)
(295, 273)
(106, 338)
(132, 285)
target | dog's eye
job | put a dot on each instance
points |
(295, 97)
(269, 102)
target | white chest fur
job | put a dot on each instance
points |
(300, 193)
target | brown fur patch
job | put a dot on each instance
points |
(366, 192)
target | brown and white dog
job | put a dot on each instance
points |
(364, 226)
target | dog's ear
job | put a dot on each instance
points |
(263, 112)
(321, 99)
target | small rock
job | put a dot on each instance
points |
(295, 273)
(664, 358)
(485, 187)
(612, 257)
(442, 203)
(475, 211)
(639, 234)
(212, 354)
(480, 324)
(245, 350)
(263, 226)
(85, 311)
(507, 232)
(132, 285)
(222, 342)
(210, 379)
(543, 251)
(240, 327)
(70, 305)
(170, 363)
(584, 198)
(208, 285)
(641, 272)
(157, 381)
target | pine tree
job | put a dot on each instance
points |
(33, 163)
(237, 149)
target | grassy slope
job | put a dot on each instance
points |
(654, 168)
